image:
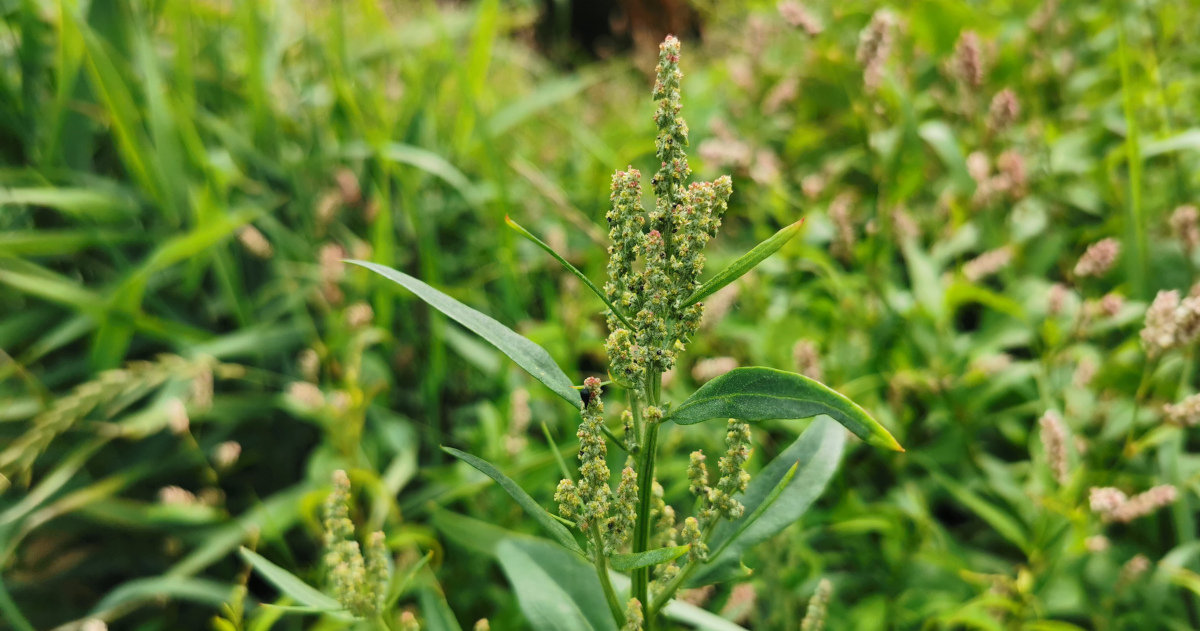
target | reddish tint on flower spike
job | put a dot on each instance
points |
(1004, 111)
(1099, 258)
(968, 60)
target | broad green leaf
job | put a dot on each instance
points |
(626, 562)
(155, 588)
(557, 591)
(533, 358)
(289, 583)
(1189, 139)
(812, 460)
(535, 510)
(760, 394)
(473, 534)
(746, 263)
(570, 268)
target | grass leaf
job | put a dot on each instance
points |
(747, 262)
(535, 510)
(529, 356)
(626, 562)
(289, 583)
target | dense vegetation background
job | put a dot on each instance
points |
(185, 360)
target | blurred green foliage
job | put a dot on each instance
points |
(179, 181)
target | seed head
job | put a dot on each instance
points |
(1097, 544)
(593, 489)
(174, 495)
(1098, 258)
(1004, 111)
(814, 618)
(1185, 413)
(1054, 438)
(408, 622)
(988, 263)
(359, 315)
(633, 616)
(1185, 222)
(968, 60)
(306, 394)
(254, 242)
(693, 536)
(795, 14)
(177, 416)
(1161, 327)
(620, 525)
(732, 465)
(874, 48)
(482, 625)
(226, 454)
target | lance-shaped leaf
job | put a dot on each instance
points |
(759, 394)
(529, 356)
(777, 496)
(747, 262)
(557, 591)
(535, 510)
(289, 583)
(570, 268)
(626, 562)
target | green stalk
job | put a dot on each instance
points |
(645, 470)
(1137, 230)
(602, 572)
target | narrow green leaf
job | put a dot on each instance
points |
(814, 457)
(438, 616)
(626, 562)
(156, 588)
(81, 203)
(941, 138)
(570, 268)
(557, 591)
(759, 394)
(747, 262)
(11, 612)
(289, 583)
(1004, 524)
(529, 356)
(535, 510)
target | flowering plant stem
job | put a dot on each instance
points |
(602, 571)
(645, 471)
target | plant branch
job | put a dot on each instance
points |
(602, 572)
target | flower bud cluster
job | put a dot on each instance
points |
(814, 618)
(1098, 258)
(734, 476)
(633, 616)
(679, 226)
(618, 527)
(1054, 438)
(1171, 322)
(875, 46)
(1185, 413)
(359, 584)
(1113, 505)
(693, 536)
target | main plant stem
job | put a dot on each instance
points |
(645, 471)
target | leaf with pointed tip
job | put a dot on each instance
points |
(626, 562)
(535, 510)
(570, 268)
(747, 262)
(529, 356)
(557, 591)
(760, 394)
(289, 583)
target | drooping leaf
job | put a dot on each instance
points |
(557, 591)
(436, 610)
(570, 268)
(535, 510)
(815, 457)
(529, 356)
(187, 588)
(289, 583)
(626, 562)
(759, 394)
(747, 262)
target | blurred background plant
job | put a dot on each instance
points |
(999, 200)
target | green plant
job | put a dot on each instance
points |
(653, 304)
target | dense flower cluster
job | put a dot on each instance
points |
(1113, 505)
(359, 584)
(814, 618)
(670, 240)
(1054, 437)
(875, 46)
